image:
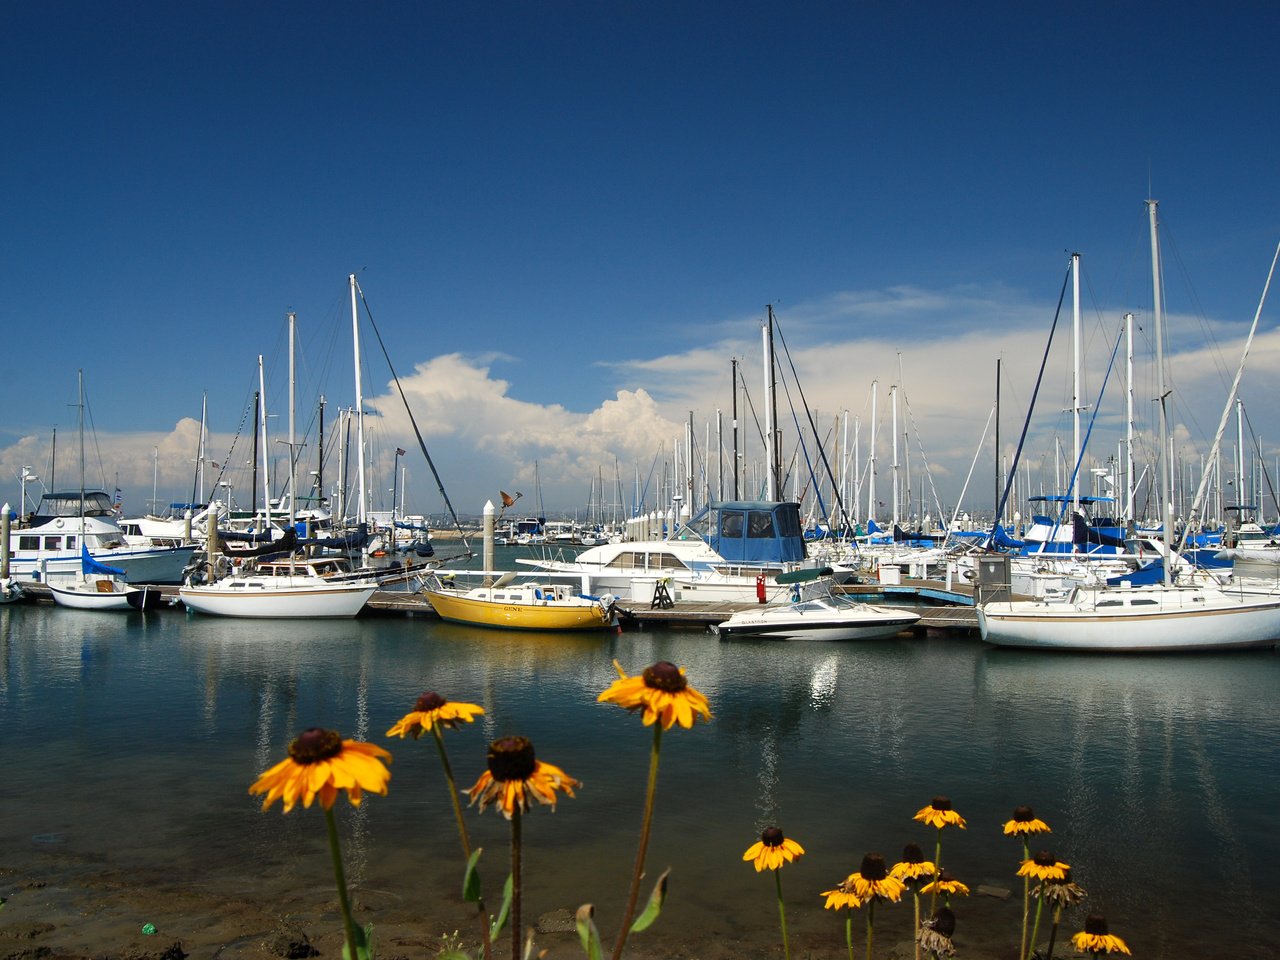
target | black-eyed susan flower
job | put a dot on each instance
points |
(913, 865)
(1061, 893)
(662, 692)
(945, 884)
(1095, 939)
(432, 709)
(516, 777)
(939, 814)
(1024, 822)
(772, 850)
(841, 897)
(936, 933)
(320, 764)
(873, 880)
(1044, 866)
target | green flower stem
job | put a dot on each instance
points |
(915, 896)
(1035, 929)
(637, 874)
(1026, 896)
(871, 921)
(1053, 931)
(348, 921)
(782, 914)
(937, 872)
(517, 933)
(462, 830)
(848, 932)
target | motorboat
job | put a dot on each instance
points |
(519, 606)
(816, 612)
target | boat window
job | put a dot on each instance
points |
(1145, 603)
(28, 543)
(731, 525)
(1109, 603)
(665, 561)
(626, 559)
(53, 543)
(760, 524)
(71, 543)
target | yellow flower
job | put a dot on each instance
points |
(662, 692)
(913, 865)
(1095, 938)
(1043, 866)
(946, 884)
(1024, 822)
(873, 880)
(516, 777)
(772, 850)
(431, 709)
(939, 814)
(841, 896)
(321, 763)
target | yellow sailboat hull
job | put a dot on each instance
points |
(516, 615)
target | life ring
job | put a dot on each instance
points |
(58, 522)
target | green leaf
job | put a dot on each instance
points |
(364, 944)
(471, 879)
(501, 920)
(654, 906)
(588, 933)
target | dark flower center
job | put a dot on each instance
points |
(1044, 859)
(429, 701)
(1096, 924)
(873, 867)
(315, 745)
(941, 803)
(511, 758)
(912, 853)
(1023, 815)
(944, 922)
(665, 676)
(772, 837)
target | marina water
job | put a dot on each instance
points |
(130, 742)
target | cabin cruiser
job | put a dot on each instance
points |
(47, 543)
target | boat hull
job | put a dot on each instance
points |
(1173, 622)
(517, 616)
(872, 623)
(265, 601)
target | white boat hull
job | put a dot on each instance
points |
(833, 618)
(1134, 621)
(295, 599)
(90, 594)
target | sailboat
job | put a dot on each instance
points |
(1123, 617)
(100, 587)
(290, 590)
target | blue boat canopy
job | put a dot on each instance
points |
(757, 531)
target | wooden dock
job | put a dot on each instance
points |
(940, 609)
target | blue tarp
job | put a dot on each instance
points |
(92, 566)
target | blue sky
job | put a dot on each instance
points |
(568, 217)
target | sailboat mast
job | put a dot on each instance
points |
(893, 397)
(734, 363)
(771, 482)
(871, 458)
(1166, 482)
(1076, 453)
(355, 336)
(266, 467)
(293, 460)
(1128, 439)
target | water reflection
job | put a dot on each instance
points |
(1154, 772)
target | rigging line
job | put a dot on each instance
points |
(1262, 461)
(413, 420)
(226, 461)
(937, 502)
(1084, 444)
(843, 514)
(1022, 438)
(981, 443)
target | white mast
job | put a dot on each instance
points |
(871, 472)
(1128, 440)
(204, 407)
(893, 397)
(361, 508)
(293, 468)
(1166, 507)
(1076, 453)
(266, 458)
(771, 489)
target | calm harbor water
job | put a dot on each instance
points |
(130, 742)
